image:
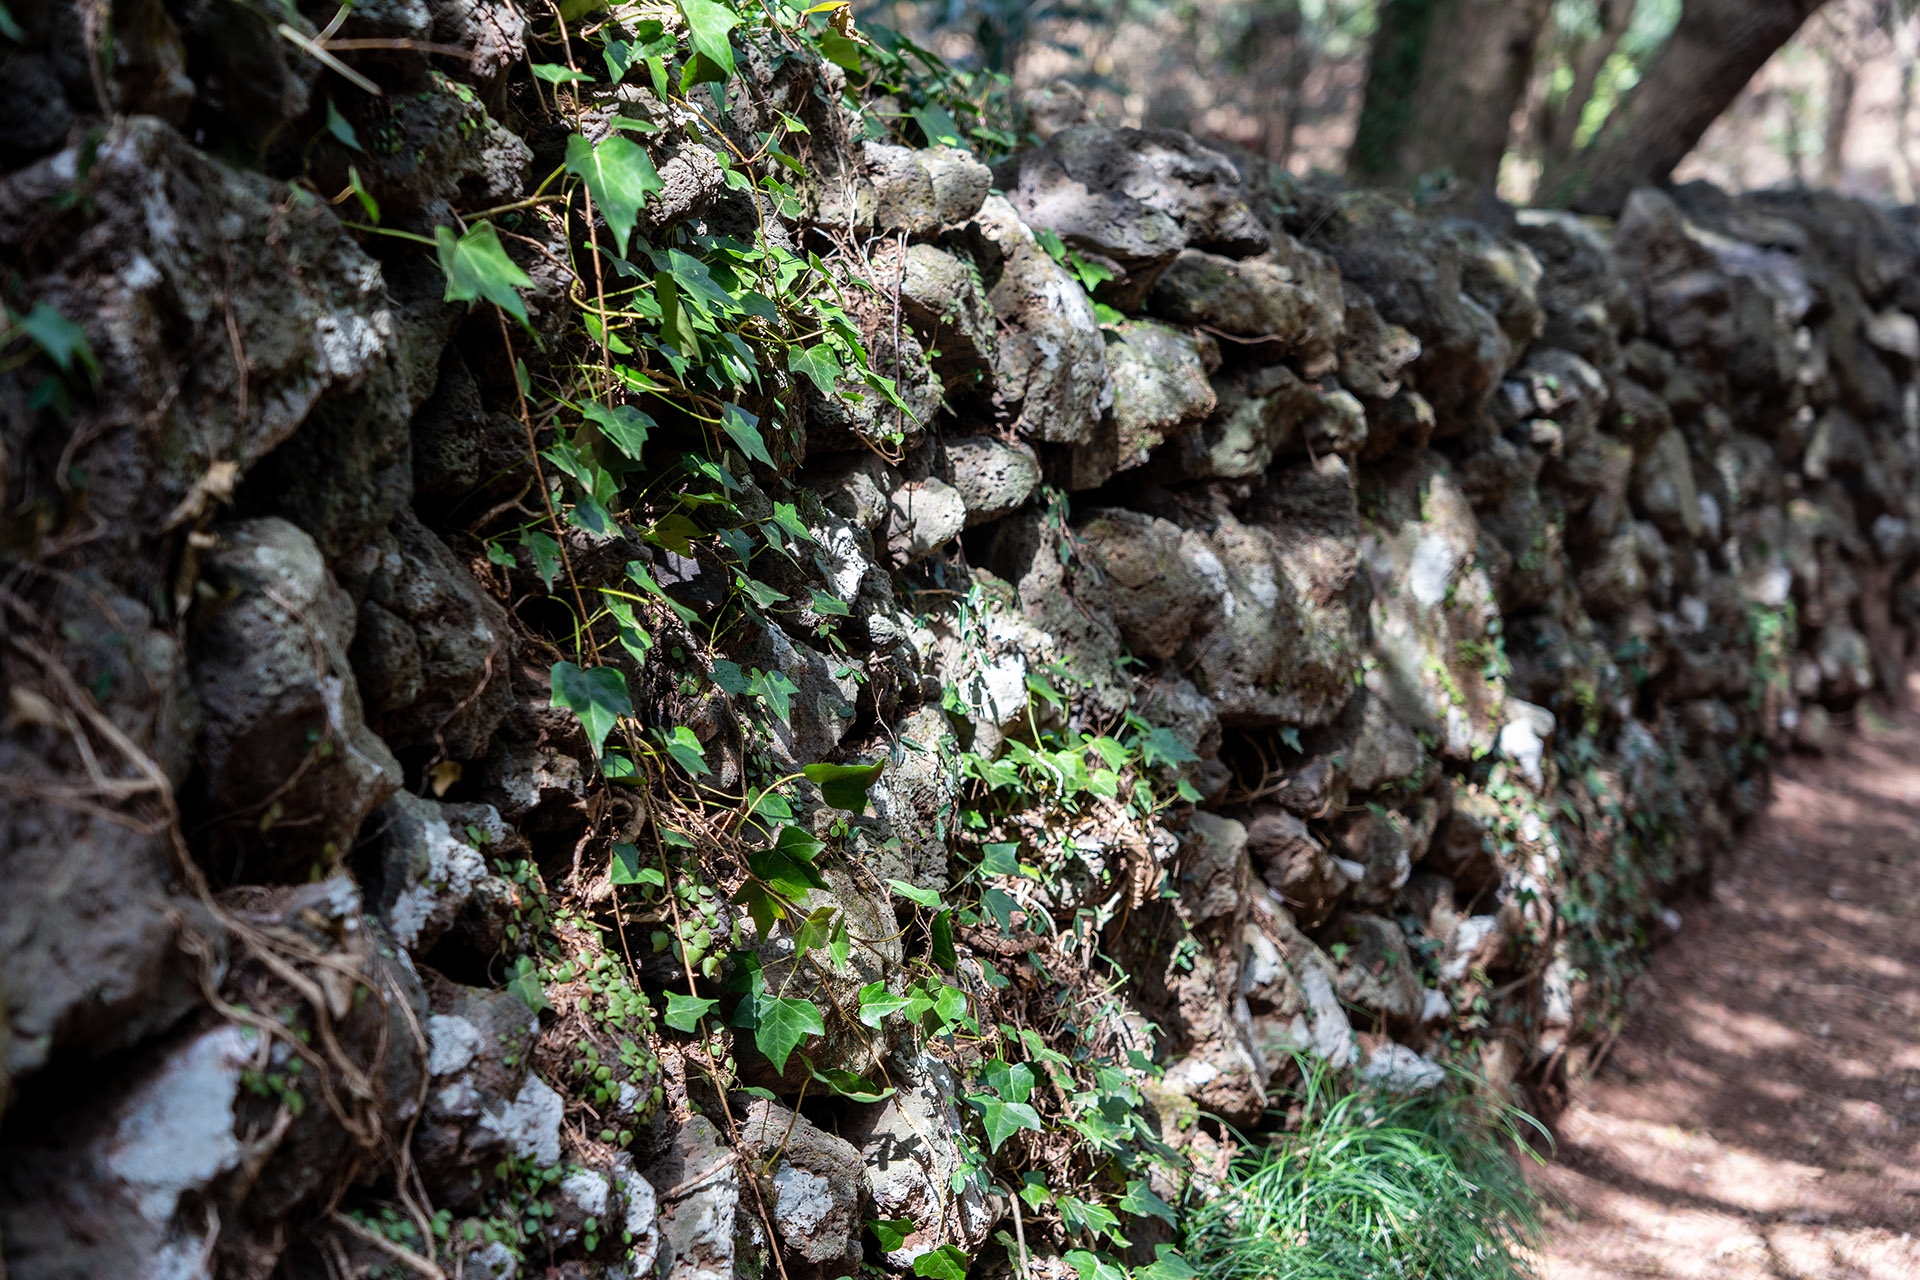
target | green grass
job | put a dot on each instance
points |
(1374, 1186)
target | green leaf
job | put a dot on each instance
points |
(1012, 1081)
(944, 1263)
(940, 941)
(816, 364)
(925, 897)
(597, 695)
(744, 430)
(685, 749)
(1167, 1265)
(938, 125)
(852, 1087)
(777, 691)
(554, 73)
(676, 328)
(826, 606)
(525, 984)
(1000, 859)
(787, 866)
(624, 426)
(813, 931)
(626, 868)
(707, 26)
(1000, 905)
(951, 1005)
(840, 51)
(619, 174)
(638, 575)
(634, 638)
(845, 786)
(781, 1023)
(892, 1233)
(1164, 746)
(545, 552)
(1003, 1119)
(341, 129)
(684, 1012)
(60, 339)
(1142, 1203)
(876, 1003)
(759, 904)
(477, 267)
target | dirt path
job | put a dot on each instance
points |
(1761, 1114)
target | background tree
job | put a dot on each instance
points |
(1445, 80)
(1715, 49)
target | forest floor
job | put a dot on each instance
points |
(1760, 1114)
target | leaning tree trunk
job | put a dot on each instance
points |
(1442, 85)
(1716, 48)
(1615, 17)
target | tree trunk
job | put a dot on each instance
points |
(1833, 148)
(1615, 17)
(1442, 86)
(1906, 43)
(1716, 48)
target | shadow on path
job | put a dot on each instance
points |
(1760, 1115)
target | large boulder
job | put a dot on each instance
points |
(292, 769)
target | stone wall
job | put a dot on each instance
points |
(1477, 568)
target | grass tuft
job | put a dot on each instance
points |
(1377, 1186)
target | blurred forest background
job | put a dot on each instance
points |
(1567, 102)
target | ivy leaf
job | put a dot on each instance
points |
(728, 677)
(940, 936)
(826, 606)
(525, 983)
(685, 749)
(1013, 1082)
(845, 786)
(760, 905)
(938, 125)
(813, 931)
(744, 430)
(1167, 1265)
(925, 897)
(619, 174)
(892, 1233)
(1000, 905)
(1003, 1119)
(59, 338)
(676, 328)
(1000, 859)
(684, 1012)
(852, 1087)
(840, 51)
(554, 73)
(876, 1003)
(626, 868)
(634, 638)
(707, 26)
(787, 516)
(778, 693)
(1163, 746)
(781, 1023)
(944, 1263)
(1142, 1203)
(816, 364)
(951, 1006)
(477, 267)
(787, 867)
(598, 695)
(624, 426)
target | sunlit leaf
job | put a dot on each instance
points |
(597, 695)
(619, 174)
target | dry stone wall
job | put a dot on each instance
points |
(1473, 569)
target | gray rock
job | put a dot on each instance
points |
(992, 478)
(944, 299)
(1290, 858)
(1160, 387)
(94, 962)
(1051, 366)
(903, 195)
(1095, 217)
(814, 1185)
(923, 516)
(702, 1223)
(288, 759)
(432, 865)
(913, 1160)
(1375, 970)
(1156, 578)
(1293, 301)
(960, 182)
(432, 650)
